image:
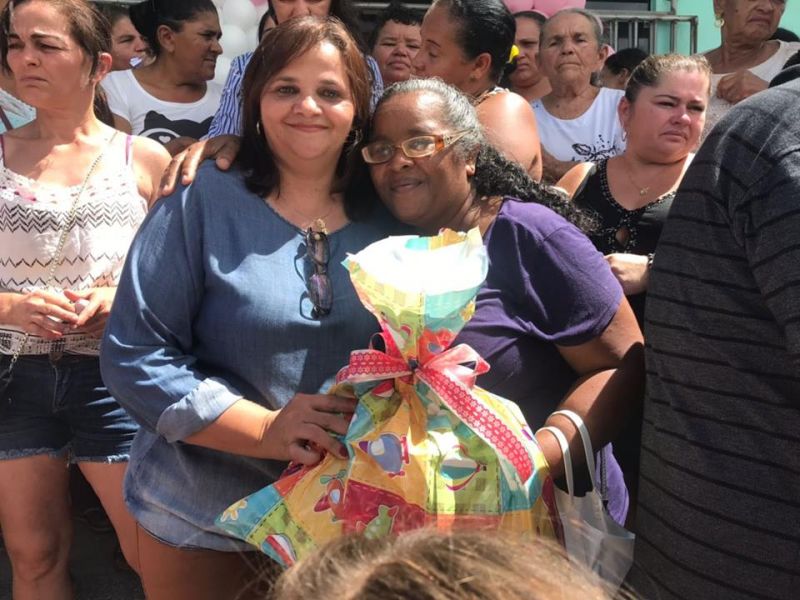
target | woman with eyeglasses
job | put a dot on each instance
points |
(223, 351)
(466, 43)
(550, 319)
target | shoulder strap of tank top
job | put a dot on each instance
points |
(128, 150)
(2, 149)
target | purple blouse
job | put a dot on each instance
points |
(547, 285)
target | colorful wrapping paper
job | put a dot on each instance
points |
(426, 447)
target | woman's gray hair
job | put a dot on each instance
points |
(495, 174)
(594, 20)
(457, 112)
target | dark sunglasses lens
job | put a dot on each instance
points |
(318, 249)
(320, 292)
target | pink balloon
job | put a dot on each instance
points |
(516, 6)
(551, 7)
(260, 2)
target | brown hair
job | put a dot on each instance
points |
(650, 71)
(280, 46)
(87, 26)
(432, 565)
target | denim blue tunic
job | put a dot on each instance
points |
(212, 307)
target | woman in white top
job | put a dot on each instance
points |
(577, 121)
(73, 192)
(171, 100)
(747, 58)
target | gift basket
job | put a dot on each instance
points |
(426, 446)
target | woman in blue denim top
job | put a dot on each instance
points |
(234, 313)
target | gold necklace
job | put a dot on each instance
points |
(643, 191)
(486, 94)
(317, 224)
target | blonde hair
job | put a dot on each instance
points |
(432, 565)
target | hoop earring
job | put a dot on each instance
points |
(258, 128)
(719, 22)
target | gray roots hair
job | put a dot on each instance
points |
(457, 112)
(594, 20)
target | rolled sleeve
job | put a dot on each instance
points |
(198, 409)
(146, 355)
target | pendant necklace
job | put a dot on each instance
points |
(316, 224)
(643, 191)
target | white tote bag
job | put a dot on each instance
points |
(591, 536)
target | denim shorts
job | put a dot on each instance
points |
(60, 406)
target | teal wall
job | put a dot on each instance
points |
(707, 34)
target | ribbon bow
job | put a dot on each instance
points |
(451, 376)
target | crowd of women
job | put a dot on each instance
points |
(216, 287)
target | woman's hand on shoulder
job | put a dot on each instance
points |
(510, 125)
(223, 149)
(301, 430)
(179, 144)
(630, 270)
(149, 161)
(740, 85)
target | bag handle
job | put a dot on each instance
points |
(585, 438)
(564, 444)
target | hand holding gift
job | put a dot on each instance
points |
(425, 446)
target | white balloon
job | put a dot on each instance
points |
(252, 36)
(219, 3)
(222, 70)
(234, 41)
(241, 13)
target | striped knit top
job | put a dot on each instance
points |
(719, 497)
(31, 220)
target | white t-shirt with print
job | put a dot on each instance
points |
(593, 136)
(157, 119)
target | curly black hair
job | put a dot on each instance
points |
(496, 175)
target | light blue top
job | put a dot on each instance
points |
(212, 306)
(16, 112)
(228, 119)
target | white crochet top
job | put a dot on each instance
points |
(31, 219)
